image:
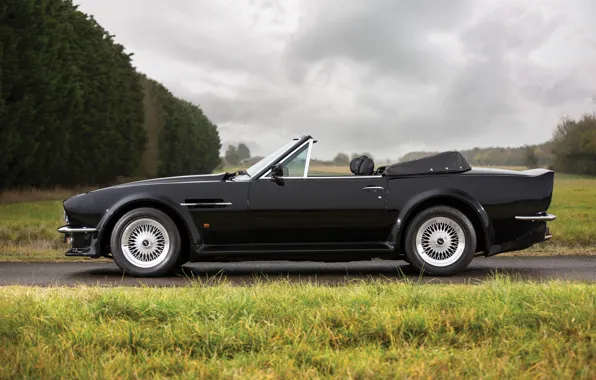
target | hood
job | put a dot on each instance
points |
(158, 181)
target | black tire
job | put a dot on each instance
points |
(423, 261)
(167, 262)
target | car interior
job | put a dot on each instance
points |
(294, 166)
(364, 165)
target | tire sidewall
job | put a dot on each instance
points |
(440, 211)
(173, 254)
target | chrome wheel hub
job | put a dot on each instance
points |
(440, 241)
(145, 243)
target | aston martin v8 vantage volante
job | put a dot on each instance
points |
(437, 213)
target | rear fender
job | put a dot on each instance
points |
(444, 196)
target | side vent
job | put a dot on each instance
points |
(205, 203)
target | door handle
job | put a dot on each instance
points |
(373, 189)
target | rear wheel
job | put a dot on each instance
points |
(440, 241)
(145, 242)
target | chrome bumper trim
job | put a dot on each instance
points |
(545, 218)
(68, 230)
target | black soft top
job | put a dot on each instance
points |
(446, 162)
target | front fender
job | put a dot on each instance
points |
(412, 206)
(140, 198)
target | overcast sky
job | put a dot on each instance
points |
(381, 76)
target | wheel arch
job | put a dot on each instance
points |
(452, 198)
(188, 232)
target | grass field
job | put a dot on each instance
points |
(280, 330)
(28, 229)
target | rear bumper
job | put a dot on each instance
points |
(539, 233)
(537, 218)
(83, 240)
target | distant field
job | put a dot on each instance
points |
(35, 195)
(28, 229)
(499, 329)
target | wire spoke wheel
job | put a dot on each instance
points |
(145, 243)
(440, 241)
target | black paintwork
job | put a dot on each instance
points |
(319, 218)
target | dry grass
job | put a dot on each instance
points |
(28, 231)
(321, 169)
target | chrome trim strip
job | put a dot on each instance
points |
(546, 218)
(67, 230)
(347, 176)
(207, 204)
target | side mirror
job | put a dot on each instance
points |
(277, 173)
(277, 170)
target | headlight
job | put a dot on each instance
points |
(65, 217)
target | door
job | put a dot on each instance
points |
(298, 210)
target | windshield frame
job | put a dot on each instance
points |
(265, 164)
(291, 155)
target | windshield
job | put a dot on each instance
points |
(267, 161)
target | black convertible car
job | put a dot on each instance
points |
(437, 213)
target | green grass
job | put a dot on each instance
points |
(281, 330)
(574, 204)
(28, 229)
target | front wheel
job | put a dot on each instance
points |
(440, 241)
(145, 242)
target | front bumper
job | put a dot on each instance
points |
(71, 230)
(83, 240)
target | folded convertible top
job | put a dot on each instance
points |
(446, 162)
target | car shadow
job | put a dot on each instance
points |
(246, 273)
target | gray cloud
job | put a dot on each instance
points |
(392, 36)
(382, 76)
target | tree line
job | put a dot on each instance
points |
(572, 149)
(529, 155)
(181, 139)
(74, 111)
(235, 155)
(574, 145)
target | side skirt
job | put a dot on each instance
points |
(295, 252)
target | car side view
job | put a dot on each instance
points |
(437, 213)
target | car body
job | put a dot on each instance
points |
(278, 210)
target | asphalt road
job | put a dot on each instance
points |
(575, 268)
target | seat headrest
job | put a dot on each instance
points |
(362, 165)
